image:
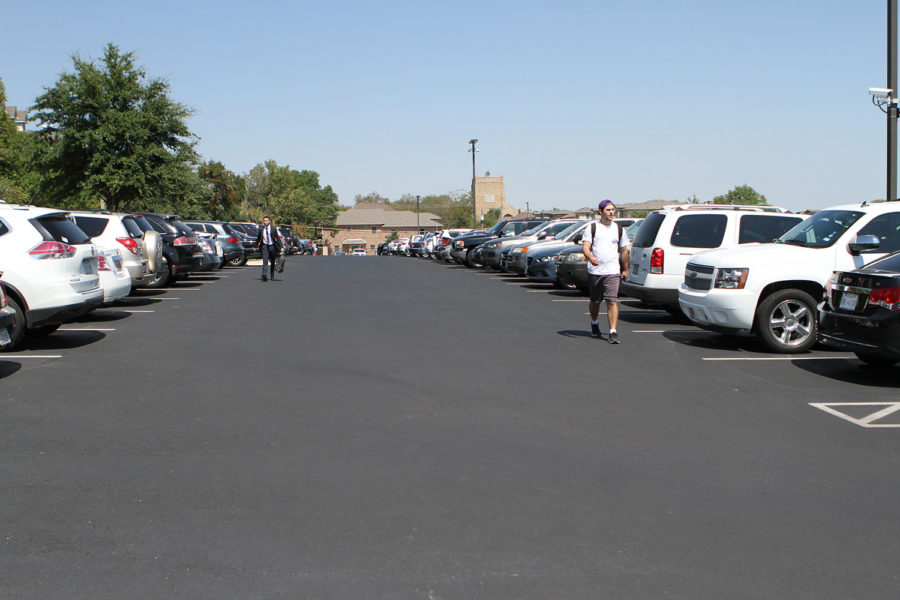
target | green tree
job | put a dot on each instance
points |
(289, 196)
(459, 213)
(371, 197)
(226, 189)
(742, 194)
(491, 217)
(113, 136)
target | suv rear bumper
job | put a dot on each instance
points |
(61, 314)
(650, 295)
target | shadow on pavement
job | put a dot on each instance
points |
(203, 278)
(576, 333)
(853, 371)
(711, 340)
(102, 316)
(142, 292)
(61, 340)
(126, 302)
(7, 368)
(184, 284)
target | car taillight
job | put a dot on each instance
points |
(184, 241)
(232, 240)
(129, 243)
(657, 258)
(446, 241)
(887, 297)
(102, 264)
(52, 250)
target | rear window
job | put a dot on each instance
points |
(158, 225)
(759, 228)
(699, 231)
(133, 228)
(181, 227)
(646, 233)
(195, 226)
(142, 223)
(890, 262)
(57, 227)
(3, 228)
(93, 226)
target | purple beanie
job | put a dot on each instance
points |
(605, 203)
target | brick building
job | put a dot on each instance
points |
(368, 224)
(490, 193)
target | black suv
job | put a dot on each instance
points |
(181, 252)
(463, 245)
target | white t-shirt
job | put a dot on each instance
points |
(605, 246)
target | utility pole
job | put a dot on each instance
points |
(892, 106)
(418, 227)
(473, 141)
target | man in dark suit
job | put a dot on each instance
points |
(268, 240)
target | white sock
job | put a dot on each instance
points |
(597, 322)
(612, 330)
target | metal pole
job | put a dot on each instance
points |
(474, 212)
(418, 227)
(892, 107)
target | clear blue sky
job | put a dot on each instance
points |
(572, 101)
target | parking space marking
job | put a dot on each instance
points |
(868, 421)
(780, 357)
(84, 329)
(132, 311)
(571, 300)
(167, 298)
(669, 331)
(18, 356)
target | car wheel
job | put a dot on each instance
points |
(471, 262)
(162, 277)
(238, 261)
(786, 321)
(17, 331)
(874, 360)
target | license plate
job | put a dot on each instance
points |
(848, 301)
(4, 337)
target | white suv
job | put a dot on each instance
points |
(668, 238)
(772, 290)
(49, 269)
(111, 231)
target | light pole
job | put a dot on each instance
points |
(418, 227)
(886, 99)
(473, 141)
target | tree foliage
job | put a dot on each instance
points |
(226, 191)
(491, 217)
(742, 194)
(289, 196)
(114, 136)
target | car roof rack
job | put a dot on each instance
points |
(747, 207)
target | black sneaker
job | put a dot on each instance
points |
(595, 330)
(613, 337)
(264, 278)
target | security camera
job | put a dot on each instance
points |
(881, 93)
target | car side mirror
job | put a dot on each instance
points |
(864, 243)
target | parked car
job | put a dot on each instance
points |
(415, 245)
(247, 233)
(771, 290)
(114, 277)
(402, 246)
(359, 252)
(861, 312)
(228, 240)
(181, 252)
(287, 238)
(212, 259)
(506, 228)
(7, 320)
(571, 269)
(49, 269)
(668, 238)
(443, 245)
(142, 254)
(492, 251)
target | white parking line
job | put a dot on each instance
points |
(132, 311)
(868, 421)
(84, 329)
(571, 300)
(18, 356)
(167, 298)
(782, 358)
(669, 331)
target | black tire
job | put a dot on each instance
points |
(43, 330)
(873, 360)
(17, 331)
(163, 277)
(786, 321)
(471, 262)
(238, 261)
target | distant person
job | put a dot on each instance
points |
(605, 246)
(268, 240)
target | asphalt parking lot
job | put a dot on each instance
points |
(383, 427)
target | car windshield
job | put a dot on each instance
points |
(562, 235)
(496, 228)
(822, 229)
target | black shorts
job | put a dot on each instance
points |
(604, 287)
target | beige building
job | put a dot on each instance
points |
(490, 193)
(20, 117)
(367, 225)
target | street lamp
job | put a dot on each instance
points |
(473, 141)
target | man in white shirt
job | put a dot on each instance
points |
(605, 246)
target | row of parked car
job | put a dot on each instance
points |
(790, 280)
(57, 265)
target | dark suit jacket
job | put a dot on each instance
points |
(273, 233)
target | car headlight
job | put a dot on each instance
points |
(521, 250)
(551, 258)
(575, 257)
(731, 279)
